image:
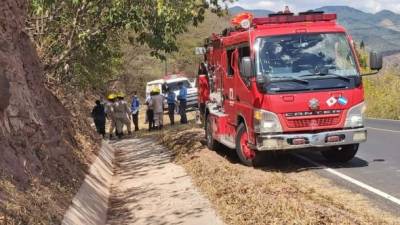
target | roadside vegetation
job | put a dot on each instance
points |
(45, 134)
(82, 43)
(382, 90)
(382, 94)
(281, 193)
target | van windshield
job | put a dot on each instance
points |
(174, 85)
(302, 57)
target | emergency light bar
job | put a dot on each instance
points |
(302, 17)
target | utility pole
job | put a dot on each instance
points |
(165, 67)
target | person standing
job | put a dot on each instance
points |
(158, 107)
(110, 113)
(99, 118)
(122, 115)
(149, 111)
(203, 94)
(171, 101)
(182, 97)
(135, 105)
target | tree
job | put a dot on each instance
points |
(362, 45)
(78, 40)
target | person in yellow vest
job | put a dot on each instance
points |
(122, 115)
(109, 110)
(158, 108)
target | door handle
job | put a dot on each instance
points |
(237, 98)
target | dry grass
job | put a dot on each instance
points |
(383, 96)
(280, 194)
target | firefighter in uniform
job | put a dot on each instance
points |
(109, 110)
(122, 115)
(158, 108)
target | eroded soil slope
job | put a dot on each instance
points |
(42, 157)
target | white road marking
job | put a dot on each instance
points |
(352, 180)
(374, 128)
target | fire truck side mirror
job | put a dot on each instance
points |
(375, 60)
(245, 67)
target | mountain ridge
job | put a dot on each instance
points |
(380, 31)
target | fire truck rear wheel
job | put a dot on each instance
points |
(212, 144)
(247, 156)
(340, 153)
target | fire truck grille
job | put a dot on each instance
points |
(317, 122)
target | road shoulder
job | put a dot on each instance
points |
(150, 189)
(90, 204)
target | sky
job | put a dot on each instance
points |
(371, 6)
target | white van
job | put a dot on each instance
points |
(172, 82)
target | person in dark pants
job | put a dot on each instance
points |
(203, 95)
(99, 117)
(150, 111)
(182, 97)
(171, 96)
(135, 105)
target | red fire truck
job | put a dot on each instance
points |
(285, 82)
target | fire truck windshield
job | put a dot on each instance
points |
(311, 58)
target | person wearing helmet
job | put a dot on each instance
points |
(109, 110)
(122, 115)
(158, 108)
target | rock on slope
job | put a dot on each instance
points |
(41, 159)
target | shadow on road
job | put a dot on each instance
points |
(287, 162)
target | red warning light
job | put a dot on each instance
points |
(238, 20)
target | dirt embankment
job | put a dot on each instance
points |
(44, 150)
(282, 193)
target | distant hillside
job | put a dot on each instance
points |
(256, 12)
(380, 31)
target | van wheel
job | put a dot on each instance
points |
(247, 156)
(340, 153)
(212, 144)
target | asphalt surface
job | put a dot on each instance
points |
(377, 164)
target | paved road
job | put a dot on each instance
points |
(377, 163)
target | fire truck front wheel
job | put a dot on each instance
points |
(340, 153)
(247, 156)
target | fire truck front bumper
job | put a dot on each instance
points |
(266, 142)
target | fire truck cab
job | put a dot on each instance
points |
(285, 82)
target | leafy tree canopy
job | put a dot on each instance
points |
(79, 39)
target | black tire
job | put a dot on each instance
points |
(212, 144)
(257, 160)
(340, 153)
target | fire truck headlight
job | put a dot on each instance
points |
(266, 122)
(355, 116)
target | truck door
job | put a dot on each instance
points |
(229, 85)
(243, 95)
